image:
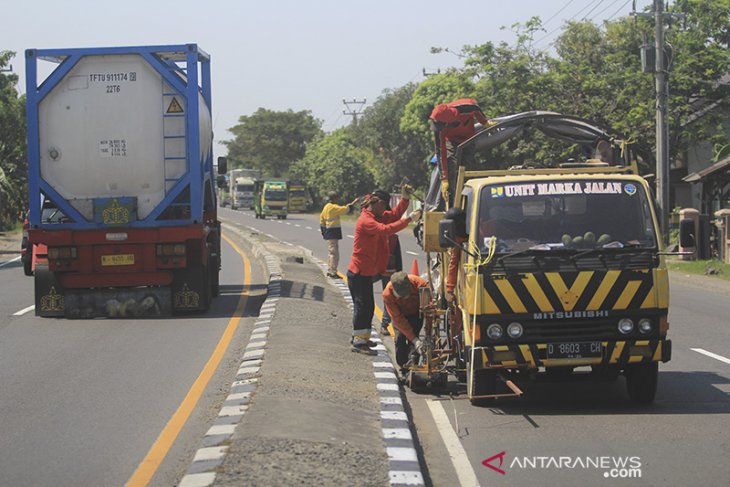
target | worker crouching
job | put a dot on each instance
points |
(401, 299)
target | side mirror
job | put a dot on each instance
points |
(686, 233)
(222, 165)
(447, 230)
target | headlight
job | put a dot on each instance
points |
(494, 331)
(514, 330)
(645, 325)
(625, 326)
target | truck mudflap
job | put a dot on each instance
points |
(53, 300)
(50, 299)
(118, 303)
(535, 355)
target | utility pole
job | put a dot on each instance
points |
(351, 111)
(661, 85)
(662, 131)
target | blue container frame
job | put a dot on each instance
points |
(162, 59)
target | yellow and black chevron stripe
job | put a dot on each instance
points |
(535, 354)
(572, 291)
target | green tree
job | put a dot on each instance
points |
(699, 81)
(271, 141)
(596, 74)
(396, 154)
(334, 162)
(13, 165)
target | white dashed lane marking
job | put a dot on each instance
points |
(24, 310)
(9, 261)
(712, 355)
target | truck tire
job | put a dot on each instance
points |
(27, 257)
(214, 270)
(485, 384)
(641, 382)
(28, 267)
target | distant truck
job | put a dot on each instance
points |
(298, 199)
(271, 198)
(242, 193)
(121, 184)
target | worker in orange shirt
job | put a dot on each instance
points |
(370, 253)
(401, 299)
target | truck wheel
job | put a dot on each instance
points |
(205, 295)
(641, 382)
(214, 277)
(27, 257)
(485, 384)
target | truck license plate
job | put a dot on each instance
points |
(120, 259)
(574, 350)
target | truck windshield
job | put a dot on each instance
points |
(244, 188)
(276, 195)
(546, 215)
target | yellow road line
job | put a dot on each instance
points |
(147, 469)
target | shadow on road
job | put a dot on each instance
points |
(678, 393)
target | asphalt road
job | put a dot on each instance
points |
(83, 401)
(577, 433)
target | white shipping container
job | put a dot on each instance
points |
(114, 128)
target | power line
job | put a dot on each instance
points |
(560, 27)
(584, 8)
(557, 13)
(585, 17)
(619, 10)
(606, 8)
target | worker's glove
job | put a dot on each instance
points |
(415, 215)
(406, 191)
(449, 297)
(418, 344)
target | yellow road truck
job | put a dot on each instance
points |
(298, 199)
(562, 269)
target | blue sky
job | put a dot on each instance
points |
(303, 55)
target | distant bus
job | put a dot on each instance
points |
(298, 198)
(271, 198)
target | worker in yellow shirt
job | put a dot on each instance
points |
(329, 224)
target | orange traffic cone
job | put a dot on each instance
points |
(414, 268)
